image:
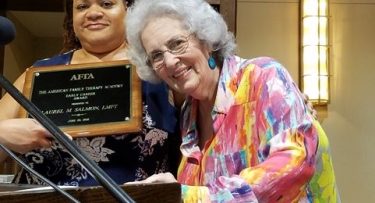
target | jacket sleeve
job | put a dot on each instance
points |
(286, 149)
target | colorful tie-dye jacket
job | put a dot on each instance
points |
(266, 147)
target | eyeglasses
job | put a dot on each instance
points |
(175, 46)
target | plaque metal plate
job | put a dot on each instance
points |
(87, 99)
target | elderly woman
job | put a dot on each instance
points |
(247, 135)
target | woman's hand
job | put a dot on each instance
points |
(157, 178)
(310, 106)
(23, 135)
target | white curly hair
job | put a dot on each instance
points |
(197, 16)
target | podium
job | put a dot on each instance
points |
(147, 193)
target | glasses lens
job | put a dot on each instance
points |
(157, 56)
(179, 45)
(175, 46)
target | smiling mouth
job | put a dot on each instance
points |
(181, 73)
(95, 26)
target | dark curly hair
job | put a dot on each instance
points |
(69, 38)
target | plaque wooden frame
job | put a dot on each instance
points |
(82, 77)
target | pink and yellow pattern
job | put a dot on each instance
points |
(266, 147)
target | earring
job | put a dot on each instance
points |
(211, 63)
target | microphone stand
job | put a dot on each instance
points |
(103, 178)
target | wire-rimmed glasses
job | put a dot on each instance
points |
(175, 46)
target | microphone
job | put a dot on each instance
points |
(7, 31)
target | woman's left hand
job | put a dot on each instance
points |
(310, 106)
(157, 178)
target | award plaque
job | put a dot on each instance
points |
(87, 99)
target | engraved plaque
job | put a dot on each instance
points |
(87, 99)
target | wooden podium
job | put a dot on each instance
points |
(147, 193)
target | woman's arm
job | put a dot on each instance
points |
(288, 138)
(19, 134)
(8, 106)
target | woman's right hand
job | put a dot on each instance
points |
(22, 135)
